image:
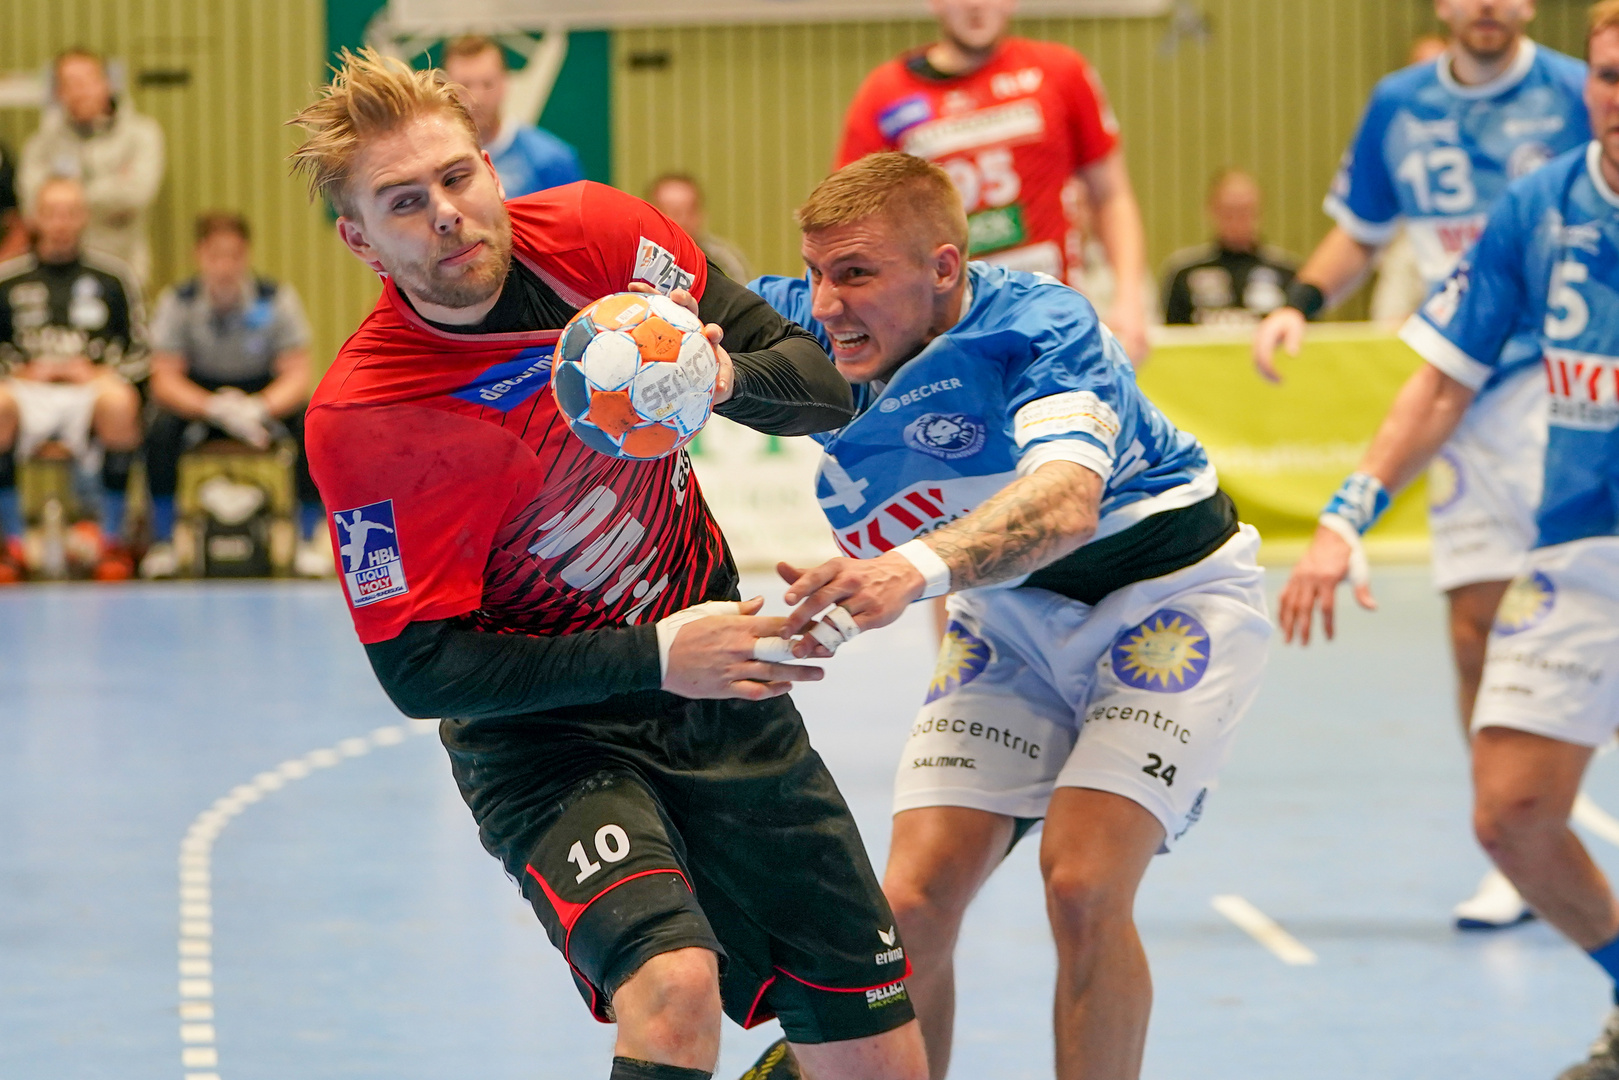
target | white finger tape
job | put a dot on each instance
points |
(841, 621)
(773, 650)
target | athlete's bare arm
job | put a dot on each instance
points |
(1423, 416)
(1032, 522)
(1337, 266)
(1123, 237)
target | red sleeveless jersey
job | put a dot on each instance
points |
(452, 484)
(1009, 134)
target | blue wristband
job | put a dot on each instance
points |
(1360, 500)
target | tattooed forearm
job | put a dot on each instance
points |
(1033, 521)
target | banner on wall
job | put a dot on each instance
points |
(1281, 450)
(492, 16)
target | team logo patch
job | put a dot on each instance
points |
(1527, 602)
(962, 658)
(657, 266)
(1526, 158)
(1446, 484)
(368, 545)
(946, 436)
(509, 383)
(1168, 653)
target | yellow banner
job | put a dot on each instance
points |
(1282, 450)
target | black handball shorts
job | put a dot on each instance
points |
(652, 823)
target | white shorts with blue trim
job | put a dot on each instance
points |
(1139, 695)
(1484, 486)
(1553, 662)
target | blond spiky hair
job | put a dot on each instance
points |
(916, 193)
(369, 94)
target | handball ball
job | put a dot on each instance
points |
(634, 375)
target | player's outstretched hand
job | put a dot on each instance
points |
(1314, 581)
(725, 381)
(712, 657)
(1282, 328)
(874, 591)
(1129, 325)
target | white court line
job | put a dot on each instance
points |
(1596, 819)
(199, 1054)
(1263, 929)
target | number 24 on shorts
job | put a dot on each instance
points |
(1155, 767)
(612, 844)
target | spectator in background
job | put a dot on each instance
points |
(230, 359)
(72, 340)
(681, 200)
(1011, 120)
(1089, 271)
(98, 139)
(1400, 287)
(528, 159)
(1236, 280)
(13, 236)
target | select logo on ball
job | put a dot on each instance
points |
(634, 376)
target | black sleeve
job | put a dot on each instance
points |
(785, 382)
(1178, 300)
(443, 668)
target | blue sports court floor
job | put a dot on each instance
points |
(342, 920)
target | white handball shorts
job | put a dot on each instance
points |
(1553, 662)
(1484, 486)
(60, 411)
(1139, 696)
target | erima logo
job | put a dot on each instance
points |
(893, 953)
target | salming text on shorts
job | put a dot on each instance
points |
(1139, 695)
(1553, 662)
(651, 823)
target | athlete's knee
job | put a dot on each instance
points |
(672, 1002)
(926, 909)
(1506, 816)
(1084, 903)
(117, 416)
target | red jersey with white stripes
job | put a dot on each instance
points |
(1009, 134)
(453, 485)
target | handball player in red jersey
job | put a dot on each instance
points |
(636, 770)
(1012, 121)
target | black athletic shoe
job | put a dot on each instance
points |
(776, 1063)
(1603, 1064)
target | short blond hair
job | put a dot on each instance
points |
(916, 194)
(369, 94)
(1603, 16)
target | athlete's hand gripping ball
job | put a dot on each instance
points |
(635, 375)
(725, 381)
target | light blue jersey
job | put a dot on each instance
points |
(1435, 155)
(530, 159)
(1551, 252)
(1028, 375)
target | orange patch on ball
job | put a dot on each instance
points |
(617, 312)
(611, 411)
(652, 441)
(658, 340)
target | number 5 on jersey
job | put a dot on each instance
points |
(612, 845)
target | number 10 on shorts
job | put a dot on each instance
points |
(612, 845)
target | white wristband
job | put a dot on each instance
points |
(927, 562)
(668, 626)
